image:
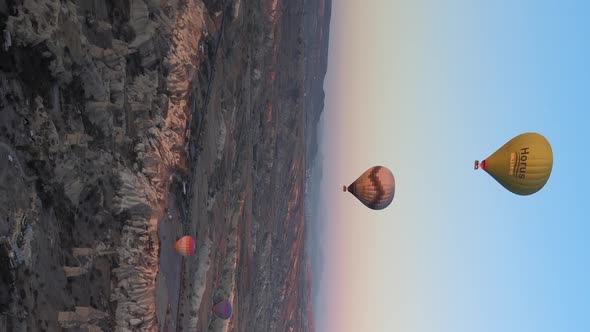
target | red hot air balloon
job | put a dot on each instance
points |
(375, 188)
(185, 245)
(222, 309)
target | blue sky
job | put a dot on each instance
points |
(445, 84)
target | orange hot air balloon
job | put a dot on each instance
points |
(185, 245)
(375, 188)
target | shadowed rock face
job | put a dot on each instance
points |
(86, 127)
(109, 108)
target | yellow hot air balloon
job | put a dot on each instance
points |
(374, 188)
(522, 165)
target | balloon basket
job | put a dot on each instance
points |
(476, 165)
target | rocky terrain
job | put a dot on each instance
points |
(126, 124)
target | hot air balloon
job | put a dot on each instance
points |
(222, 309)
(374, 188)
(522, 165)
(185, 245)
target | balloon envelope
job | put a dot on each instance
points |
(375, 188)
(222, 309)
(522, 165)
(185, 245)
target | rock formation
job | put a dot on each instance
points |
(82, 319)
(94, 104)
(74, 271)
(103, 105)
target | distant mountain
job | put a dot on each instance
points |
(316, 27)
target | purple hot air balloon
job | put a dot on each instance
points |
(222, 309)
